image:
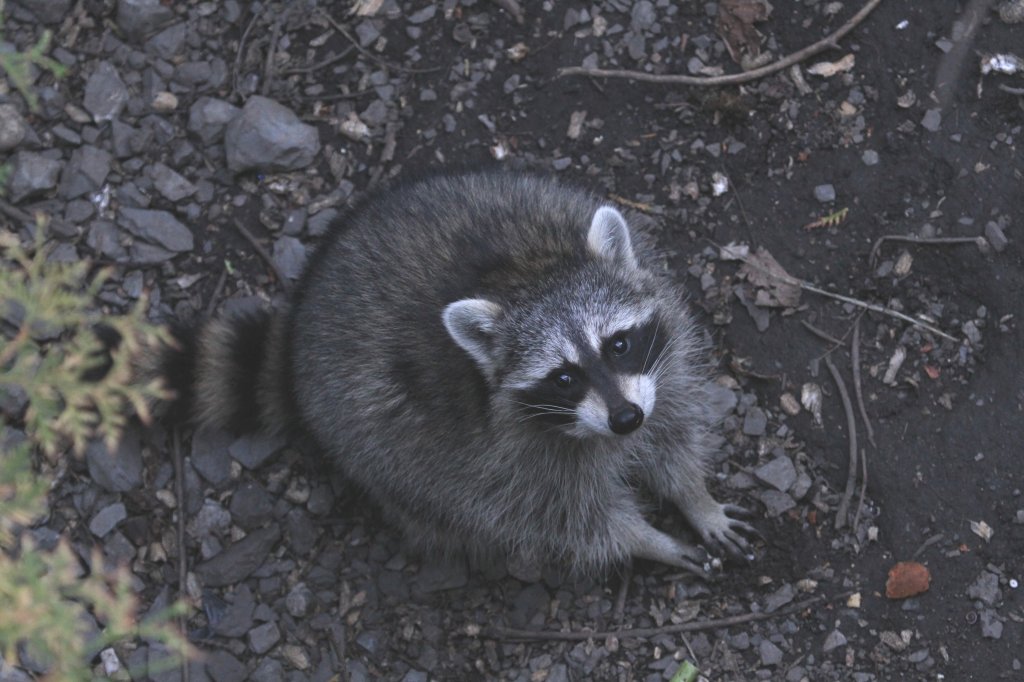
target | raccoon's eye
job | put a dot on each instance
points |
(619, 345)
(562, 379)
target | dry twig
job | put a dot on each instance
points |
(620, 600)
(851, 426)
(830, 41)
(981, 242)
(855, 362)
(369, 55)
(268, 64)
(644, 633)
(179, 490)
(264, 254)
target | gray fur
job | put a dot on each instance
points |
(411, 332)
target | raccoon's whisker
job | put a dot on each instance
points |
(654, 337)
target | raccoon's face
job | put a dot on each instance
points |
(591, 374)
(582, 353)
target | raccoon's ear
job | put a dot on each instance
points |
(472, 323)
(609, 237)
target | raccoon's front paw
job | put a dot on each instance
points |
(722, 531)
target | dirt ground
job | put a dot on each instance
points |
(911, 141)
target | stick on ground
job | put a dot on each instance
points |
(830, 41)
(851, 426)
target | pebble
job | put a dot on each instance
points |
(251, 505)
(440, 575)
(170, 183)
(268, 136)
(107, 519)
(869, 157)
(208, 117)
(986, 588)
(262, 638)
(755, 422)
(157, 227)
(48, 12)
(825, 193)
(210, 454)
(238, 561)
(32, 174)
(252, 450)
(85, 172)
(105, 93)
(299, 600)
(269, 670)
(119, 471)
(531, 602)
(643, 16)
(779, 598)
(138, 18)
(289, 256)
(778, 473)
(302, 533)
(776, 503)
(770, 654)
(221, 666)
(932, 120)
(237, 618)
(971, 331)
(995, 236)
(834, 640)
(211, 520)
(13, 128)
(991, 626)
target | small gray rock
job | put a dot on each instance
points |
(119, 471)
(253, 450)
(755, 421)
(236, 620)
(269, 670)
(995, 236)
(424, 15)
(209, 117)
(85, 172)
(932, 120)
(32, 174)
(251, 505)
(269, 137)
(105, 93)
(971, 331)
(139, 18)
(210, 454)
(834, 640)
(991, 626)
(441, 575)
(825, 193)
(869, 157)
(156, 227)
(289, 256)
(12, 127)
(778, 473)
(776, 503)
(986, 588)
(169, 183)
(238, 561)
(221, 666)
(9, 673)
(770, 654)
(643, 16)
(299, 600)
(531, 602)
(168, 43)
(48, 12)
(103, 237)
(262, 638)
(107, 519)
(779, 598)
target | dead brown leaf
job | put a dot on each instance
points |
(906, 579)
(775, 287)
(736, 19)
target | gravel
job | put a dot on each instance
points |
(268, 136)
(13, 128)
(119, 471)
(32, 174)
(138, 18)
(107, 519)
(825, 193)
(157, 227)
(208, 118)
(239, 560)
(105, 93)
(85, 172)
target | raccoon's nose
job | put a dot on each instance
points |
(626, 420)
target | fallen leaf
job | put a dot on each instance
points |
(366, 8)
(735, 24)
(982, 530)
(906, 579)
(829, 69)
(776, 288)
(932, 371)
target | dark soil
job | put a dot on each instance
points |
(337, 588)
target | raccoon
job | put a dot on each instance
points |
(493, 360)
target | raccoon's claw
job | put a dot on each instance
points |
(723, 532)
